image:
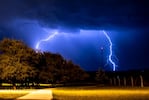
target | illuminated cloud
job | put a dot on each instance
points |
(126, 22)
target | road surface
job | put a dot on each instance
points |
(43, 94)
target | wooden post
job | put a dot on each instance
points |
(132, 84)
(114, 81)
(141, 81)
(124, 81)
(119, 81)
(111, 82)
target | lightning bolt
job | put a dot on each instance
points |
(44, 40)
(107, 36)
(111, 52)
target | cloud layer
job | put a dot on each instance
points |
(126, 21)
(74, 14)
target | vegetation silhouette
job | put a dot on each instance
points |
(21, 64)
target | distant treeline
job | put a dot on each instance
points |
(130, 78)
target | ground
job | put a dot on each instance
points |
(96, 93)
(85, 93)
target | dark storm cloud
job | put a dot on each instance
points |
(87, 13)
(73, 14)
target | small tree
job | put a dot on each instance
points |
(101, 76)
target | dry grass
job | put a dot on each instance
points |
(100, 94)
(12, 94)
(86, 93)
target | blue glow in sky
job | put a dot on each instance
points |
(51, 36)
(84, 33)
(67, 44)
(111, 50)
(83, 46)
(78, 23)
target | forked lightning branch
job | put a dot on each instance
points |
(51, 36)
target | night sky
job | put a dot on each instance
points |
(79, 24)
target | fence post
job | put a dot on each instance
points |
(141, 80)
(124, 81)
(132, 84)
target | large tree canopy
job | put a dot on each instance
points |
(14, 60)
(18, 62)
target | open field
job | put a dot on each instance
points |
(85, 93)
(7, 92)
(95, 93)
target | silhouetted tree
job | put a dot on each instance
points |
(74, 73)
(20, 63)
(60, 70)
(14, 61)
(101, 76)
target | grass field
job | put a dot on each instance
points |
(95, 93)
(7, 92)
(85, 93)
(12, 94)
